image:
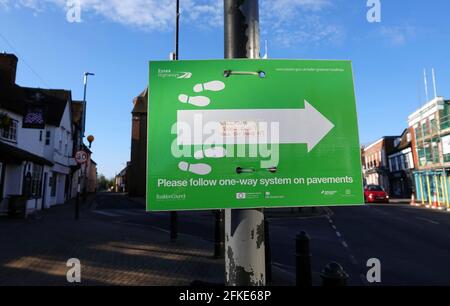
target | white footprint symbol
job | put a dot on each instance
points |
(216, 152)
(211, 86)
(200, 169)
(196, 101)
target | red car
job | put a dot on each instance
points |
(375, 194)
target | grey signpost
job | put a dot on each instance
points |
(244, 252)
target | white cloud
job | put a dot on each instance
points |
(292, 21)
(398, 35)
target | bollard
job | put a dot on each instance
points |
(333, 275)
(219, 234)
(173, 226)
(267, 251)
(303, 260)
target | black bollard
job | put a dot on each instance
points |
(333, 275)
(219, 233)
(173, 226)
(303, 260)
(267, 251)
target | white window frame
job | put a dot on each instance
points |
(13, 129)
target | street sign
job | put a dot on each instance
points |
(252, 133)
(81, 157)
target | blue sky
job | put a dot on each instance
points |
(117, 38)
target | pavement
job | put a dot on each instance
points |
(111, 252)
(118, 243)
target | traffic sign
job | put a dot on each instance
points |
(81, 157)
(252, 133)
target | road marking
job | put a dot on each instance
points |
(338, 234)
(427, 220)
(125, 212)
(345, 244)
(144, 226)
(105, 213)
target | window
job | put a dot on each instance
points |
(433, 126)
(61, 133)
(418, 133)
(424, 129)
(406, 161)
(47, 138)
(40, 136)
(374, 188)
(10, 133)
(36, 180)
(66, 144)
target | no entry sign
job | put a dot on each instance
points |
(252, 133)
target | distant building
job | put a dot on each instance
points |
(401, 166)
(376, 165)
(430, 131)
(136, 174)
(120, 181)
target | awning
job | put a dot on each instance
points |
(14, 155)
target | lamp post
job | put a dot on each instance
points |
(85, 81)
(90, 139)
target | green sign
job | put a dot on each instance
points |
(252, 134)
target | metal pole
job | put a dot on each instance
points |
(177, 31)
(244, 229)
(86, 75)
(173, 226)
(267, 251)
(303, 260)
(219, 233)
(173, 214)
(77, 201)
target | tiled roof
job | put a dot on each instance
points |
(16, 99)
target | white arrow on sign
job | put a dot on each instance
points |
(295, 126)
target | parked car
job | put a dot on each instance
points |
(375, 194)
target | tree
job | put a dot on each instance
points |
(104, 183)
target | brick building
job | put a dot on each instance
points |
(376, 165)
(136, 172)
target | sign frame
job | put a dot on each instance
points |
(312, 85)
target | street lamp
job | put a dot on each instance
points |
(90, 139)
(85, 81)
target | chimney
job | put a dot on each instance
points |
(8, 68)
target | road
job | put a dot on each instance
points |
(412, 244)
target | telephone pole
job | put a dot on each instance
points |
(244, 229)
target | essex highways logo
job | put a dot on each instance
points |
(167, 73)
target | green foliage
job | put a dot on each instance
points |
(104, 183)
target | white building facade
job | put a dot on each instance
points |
(36, 162)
